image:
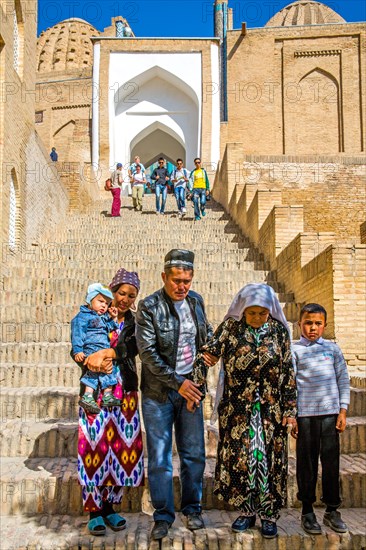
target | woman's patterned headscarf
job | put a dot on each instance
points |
(124, 277)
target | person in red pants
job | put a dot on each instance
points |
(117, 180)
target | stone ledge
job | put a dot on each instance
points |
(47, 532)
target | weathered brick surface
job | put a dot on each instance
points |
(278, 205)
(41, 200)
(282, 91)
(49, 484)
(44, 532)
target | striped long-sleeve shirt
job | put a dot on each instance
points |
(321, 377)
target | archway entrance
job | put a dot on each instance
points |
(161, 117)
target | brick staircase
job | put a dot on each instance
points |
(43, 288)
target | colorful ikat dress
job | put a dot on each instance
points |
(110, 451)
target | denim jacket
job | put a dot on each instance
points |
(90, 331)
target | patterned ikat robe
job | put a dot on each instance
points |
(250, 370)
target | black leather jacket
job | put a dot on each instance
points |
(157, 334)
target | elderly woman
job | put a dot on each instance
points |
(110, 454)
(258, 402)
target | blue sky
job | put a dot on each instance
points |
(172, 18)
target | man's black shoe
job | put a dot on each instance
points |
(195, 521)
(242, 523)
(334, 521)
(160, 529)
(310, 525)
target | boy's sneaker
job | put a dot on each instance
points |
(88, 403)
(203, 213)
(184, 210)
(197, 219)
(334, 521)
(310, 525)
(110, 401)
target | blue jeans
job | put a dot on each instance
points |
(199, 195)
(99, 379)
(163, 190)
(180, 195)
(159, 419)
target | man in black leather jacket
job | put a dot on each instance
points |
(171, 325)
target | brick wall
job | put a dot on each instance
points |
(46, 198)
(327, 265)
(16, 109)
(332, 190)
(297, 90)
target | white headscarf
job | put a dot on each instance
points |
(253, 294)
(256, 294)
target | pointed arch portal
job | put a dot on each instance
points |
(156, 140)
(155, 112)
(314, 114)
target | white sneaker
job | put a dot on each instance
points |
(184, 210)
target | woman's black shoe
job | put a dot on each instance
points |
(242, 523)
(269, 529)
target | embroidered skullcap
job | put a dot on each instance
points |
(124, 277)
(179, 258)
(95, 289)
(119, 165)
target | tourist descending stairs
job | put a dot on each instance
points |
(42, 289)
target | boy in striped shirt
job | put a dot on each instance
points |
(323, 397)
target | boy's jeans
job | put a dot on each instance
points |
(163, 191)
(199, 195)
(159, 420)
(180, 195)
(318, 436)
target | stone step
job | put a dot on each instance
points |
(58, 437)
(357, 402)
(35, 353)
(89, 273)
(352, 440)
(66, 287)
(49, 485)
(241, 273)
(46, 532)
(68, 240)
(34, 404)
(40, 299)
(40, 375)
(34, 439)
(54, 317)
(89, 255)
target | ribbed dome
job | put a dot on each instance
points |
(66, 47)
(304, 13)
